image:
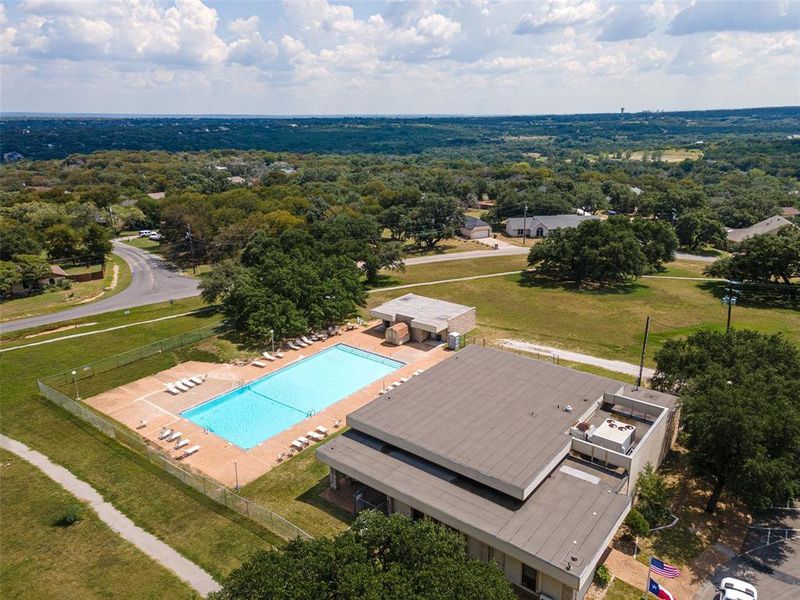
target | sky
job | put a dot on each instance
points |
(396, 57)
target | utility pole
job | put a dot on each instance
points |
(191, 247)
(729, 300)
(644, 348)
(525, 224)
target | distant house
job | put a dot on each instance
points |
(426, 318)
(28, 286)
(537, 227)
(475, 229)
(157, 195)
(769, 226)
(236, 180)
(790, 212)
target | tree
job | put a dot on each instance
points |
(621, 197)
(378, 558)
(96, 240)
(32, 267)
(435, 219)
(762, 258)
(596, 251)
(652, 496)
(61, 241)
(16, 238)
(739, 409)
(9, 276)
(287, 285)
(696, 228)
(383, 255)
(657, 239)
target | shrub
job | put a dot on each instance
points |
(636, 523)
(602, 576)
(652, 496)
(71, 515)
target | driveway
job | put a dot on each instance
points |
(152, 280)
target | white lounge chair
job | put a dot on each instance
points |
(184, 442)
(172, 389)
(259, 363)
(298, 445)
(300, 343)
(403, 379)
(292, 345)
(181, 386)
(188, 452)
(142, 424)
(303, 441)
(268, 356)
(196, 380)
(188, 382)
(165, 433)
(174, 436)
(315, 436)
(306, 340)
(322, 430)
(337, 423)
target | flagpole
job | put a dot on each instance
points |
(647, 584)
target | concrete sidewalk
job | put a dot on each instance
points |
(163, 554)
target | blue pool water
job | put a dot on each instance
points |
(250, 414)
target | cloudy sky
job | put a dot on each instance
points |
(396, 57)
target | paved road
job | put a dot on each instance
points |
(153, 280)
(189, 572)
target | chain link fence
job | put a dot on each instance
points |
(208, 487)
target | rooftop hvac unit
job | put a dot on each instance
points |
(614, 435)
(581, 430)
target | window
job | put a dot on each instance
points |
(539, 232)
(529, 577)
(520, 231)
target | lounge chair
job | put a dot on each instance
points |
(303, 440)
(268, 356)
(259, 363)
(188, 382)
(300, 343)
(184, 442)
(298, 445)
(174, 436)
(306, 340)
(337, 423)
(172, 389)
(315, 436)
(322, 430)
(166, 432)
(188, 452)
(181, 386)
(403, 379)
(196, 380)
(292, 345)
(142, 424)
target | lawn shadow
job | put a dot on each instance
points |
(757, 295)
(313, 497)
(533, 279)
(381, 281)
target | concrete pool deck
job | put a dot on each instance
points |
(147, 400)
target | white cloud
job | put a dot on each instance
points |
(250, 48)
(745, 15)
(438, 27)
(557, 14)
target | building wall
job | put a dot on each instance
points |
(549, 586)
(655, 449)
(418, 335)
(462, 323)
(476, 233)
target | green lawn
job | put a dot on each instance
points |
(85, 560)
(217, 539)
(447, 246)
(292, 489)
(79, 293)
(143, 243)
(608, 323)
(451, 270)
(619, 590)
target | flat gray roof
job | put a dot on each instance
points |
(430, 314)
(573, 513)
(492, 416)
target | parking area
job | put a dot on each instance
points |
(770, 559)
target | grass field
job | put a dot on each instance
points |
(79, 293)
(85, 560)
(143, 244)
(619, 590)
(451, 269)
(215, 538)
(608, 323)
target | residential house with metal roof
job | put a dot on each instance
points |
(537, 227)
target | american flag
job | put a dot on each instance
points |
(662, 568)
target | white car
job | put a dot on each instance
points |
(155, 237)
(736, 589)
(145, 233)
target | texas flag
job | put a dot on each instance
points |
(659, 592)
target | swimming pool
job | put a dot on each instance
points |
(250, 414)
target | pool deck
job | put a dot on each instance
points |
(147, 400)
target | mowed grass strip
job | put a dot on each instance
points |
(452, 269)
(215, 538)
(608, 323)
(85, 560)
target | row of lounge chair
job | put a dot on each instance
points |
(184, 385)
(402, 380)
(316, 435)
(169, 436)
(296, 344)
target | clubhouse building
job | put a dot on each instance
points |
(533, 463)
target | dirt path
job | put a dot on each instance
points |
(163, 554)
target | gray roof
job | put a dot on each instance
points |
(473, 222)
(550, 221)
(573, 513)
(425, 313)
(493, 416)
(771, 225)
